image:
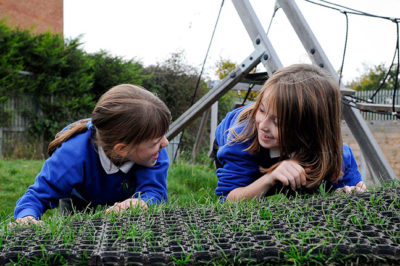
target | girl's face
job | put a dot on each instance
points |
(146, 153)
(267, 126)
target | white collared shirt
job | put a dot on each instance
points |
(275, 153)
(111, 168)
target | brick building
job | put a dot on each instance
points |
(38, 15)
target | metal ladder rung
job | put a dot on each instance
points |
(347, 92)
(377, 107)
(244, 86)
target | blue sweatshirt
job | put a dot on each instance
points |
(240, 168)
(75, 168)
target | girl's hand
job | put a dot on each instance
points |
(360, 187)
(27, 220)
(126, 204)
(289, 172)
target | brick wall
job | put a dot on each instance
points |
(387, 135)
(41, 15)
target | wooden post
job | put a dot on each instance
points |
(200, 134)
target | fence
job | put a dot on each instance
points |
(382, 97)
(12, 128)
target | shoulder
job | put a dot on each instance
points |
(231, 117)
(228, 122)
(347, 155)
(77, 147)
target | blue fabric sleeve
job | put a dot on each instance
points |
(351, 175)
(151, 182)
(240, 168)
(59, 174)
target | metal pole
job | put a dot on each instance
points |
(381, 170)
(214, 123)
(212, 96)
(200, 134)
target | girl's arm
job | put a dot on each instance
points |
(239, 169)
(59, 174)
(50, 185)
(351, 179)
(151, 182)
(289, 172)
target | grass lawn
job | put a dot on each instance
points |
(15, 178)
(186, 183)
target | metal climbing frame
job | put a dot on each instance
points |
(377, 164)
(264, 52)
(223, 87)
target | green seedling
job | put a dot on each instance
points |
(394, 236)
(375, 200)
(394, 204)
(298, 257)
(182, 261)
(356, 221)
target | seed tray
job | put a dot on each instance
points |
(361, 228)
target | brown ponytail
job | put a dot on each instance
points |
(72, 130)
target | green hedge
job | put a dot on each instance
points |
(61, 80)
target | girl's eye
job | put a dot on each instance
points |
(261, 110)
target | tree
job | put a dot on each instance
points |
(110, 71)
(174, 82)
(373, 77)
(224, 67)
(225, 103)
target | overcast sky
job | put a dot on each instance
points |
(150, 30)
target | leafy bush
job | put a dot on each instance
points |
(51, 73)
(59, 82)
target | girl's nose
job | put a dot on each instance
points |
(164, 142)
(264, 123)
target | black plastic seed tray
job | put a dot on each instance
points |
(364, 228)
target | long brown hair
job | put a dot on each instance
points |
(124, 114)
(307, 104)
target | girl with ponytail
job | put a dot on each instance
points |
(115, 158)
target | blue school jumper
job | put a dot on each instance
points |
(75, 169)
(240, 168)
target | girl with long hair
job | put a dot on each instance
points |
(290, 138)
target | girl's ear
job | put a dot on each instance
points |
(121, 149)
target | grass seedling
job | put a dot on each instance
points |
(296, 255)
(196, 233)
(394, 204)
(182, 261)
(132, 231)
(394, 236)
(375, 200)
(68, 238)
(356, 221)
(374, 217)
